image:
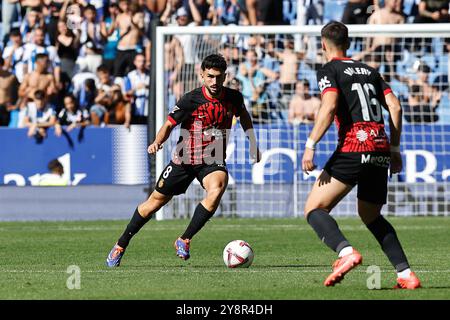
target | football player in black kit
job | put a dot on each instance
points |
(353, 94)
(205, 114)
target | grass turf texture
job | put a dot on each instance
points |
(290, 261)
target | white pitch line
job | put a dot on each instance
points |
(208, 271)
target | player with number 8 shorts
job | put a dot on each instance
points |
(206, 116)
(353, 94)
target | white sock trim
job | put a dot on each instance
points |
(404, 274)
(345, 251)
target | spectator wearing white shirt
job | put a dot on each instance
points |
(137, 90)
(13, 54)
(39, 116)
(90, 56)
(38, 47)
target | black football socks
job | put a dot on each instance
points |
(387, 238)
(136, 223)
(327, 229)
(201, 216)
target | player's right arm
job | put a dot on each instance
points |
(329, 89)
(161, 137)
(179, 113)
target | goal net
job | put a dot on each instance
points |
(275, 69)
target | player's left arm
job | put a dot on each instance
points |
(247, 126)
(324, 119)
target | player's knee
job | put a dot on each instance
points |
(216, 192)
(310, 208)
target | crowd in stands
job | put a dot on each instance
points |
(74, 63)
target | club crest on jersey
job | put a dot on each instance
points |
(324, 83)
(361, 135)
(161, 183)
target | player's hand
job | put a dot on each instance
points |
(396, 162)
(255, 155)
(308, 161)
(154, 148)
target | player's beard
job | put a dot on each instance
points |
(215, 93)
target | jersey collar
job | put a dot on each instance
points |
(222, 94)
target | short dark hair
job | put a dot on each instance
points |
(216, 61)
(90, 7)
(15, 33)
(337, 33)
(103, 68)
(40, 56)
(55, 165)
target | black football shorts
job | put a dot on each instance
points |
(367, 170)
(175, 178)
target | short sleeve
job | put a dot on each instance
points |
(181, 110)
(326, 80)
(238, 103)
(384, 86)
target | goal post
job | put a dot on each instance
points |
(277, 187)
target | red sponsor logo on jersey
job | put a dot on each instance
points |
(363, 137)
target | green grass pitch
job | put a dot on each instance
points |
(290, 261)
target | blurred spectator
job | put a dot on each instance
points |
(103, 98)
(423, 99)
(119, 111)
(204, 9)
(52, 9)
(111, 34)
(33, 20)
(227, 12)
(130, 23)
(137, 90)
(432, 11)
(14, 55)
(38, 79)
(303, 107)
(56, 176)
(306, 12)
(39, 116)
(173, 63)
(169, 15)
(156, 6)
(385, 46)
(10, 14)
(38, 47)
(8, 93)
(91, 42)
(253, 83)
(67, 44)
(31, 4)
(289, 67)
(358, 11)
(265, 12)
(188, 74)
(71, 116)
(88, 93)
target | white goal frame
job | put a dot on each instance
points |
(409, 30)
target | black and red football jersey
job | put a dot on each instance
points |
(361, 91)
(204, 122)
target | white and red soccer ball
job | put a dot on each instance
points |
(238, 254)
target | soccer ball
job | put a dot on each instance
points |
(238, 254)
